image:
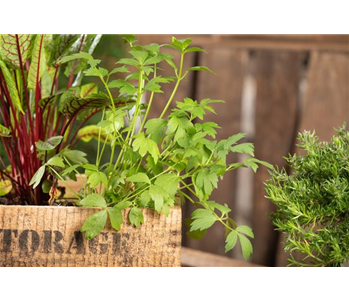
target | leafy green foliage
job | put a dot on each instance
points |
(93, 200)
(95, 224)
(15, 48)
(313, 201)
(146, 145)
(136, 217)
(10, 82)
(50, 144)
(159, 159)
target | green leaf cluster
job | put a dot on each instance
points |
(312, 202)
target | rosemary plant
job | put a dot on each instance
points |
(313, 201)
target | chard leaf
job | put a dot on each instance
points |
(14, 46)
(61, 45)
(50, 144)
(90, 132)
(10, 83)
(73, 105)
(38, 62)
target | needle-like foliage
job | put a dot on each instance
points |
(313, 201)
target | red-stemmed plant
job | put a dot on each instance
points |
(36, 111)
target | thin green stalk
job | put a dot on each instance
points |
(149, 105)
(179, 79)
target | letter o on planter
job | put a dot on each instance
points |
(49, 236)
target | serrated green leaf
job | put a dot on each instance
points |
(123, 205)
(247, 148)
(70, 169)
(93, 200)
(224, 209)
(155, 128)
(146, 145)
(158, 195)
(119, 70)
(128, 61)
(203, 219)
(231, 240)
(116, 218)
(245, 230)
(246, 246)
(75, 156)
(50, 144)
(56, 161)
(139, 177)
(94, 224)
(96, 178)
(196, 234)
(37, 177)
(136, 217)
(129, 38)
(141, 56)
(144, 199)
(168, 182)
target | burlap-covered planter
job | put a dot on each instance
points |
(49, 236)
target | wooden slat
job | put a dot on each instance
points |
(277, 77)
(294, 42)
(195, 258)
(230, 66)
(326, 102)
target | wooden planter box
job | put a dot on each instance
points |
(49, 236)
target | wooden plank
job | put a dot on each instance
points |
(230, 66)
(195, 258)
(294, 42)
(326, 102)
(277, 75)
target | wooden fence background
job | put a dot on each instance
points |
(274, 86)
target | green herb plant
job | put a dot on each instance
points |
(156, 163)
(313, 201)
